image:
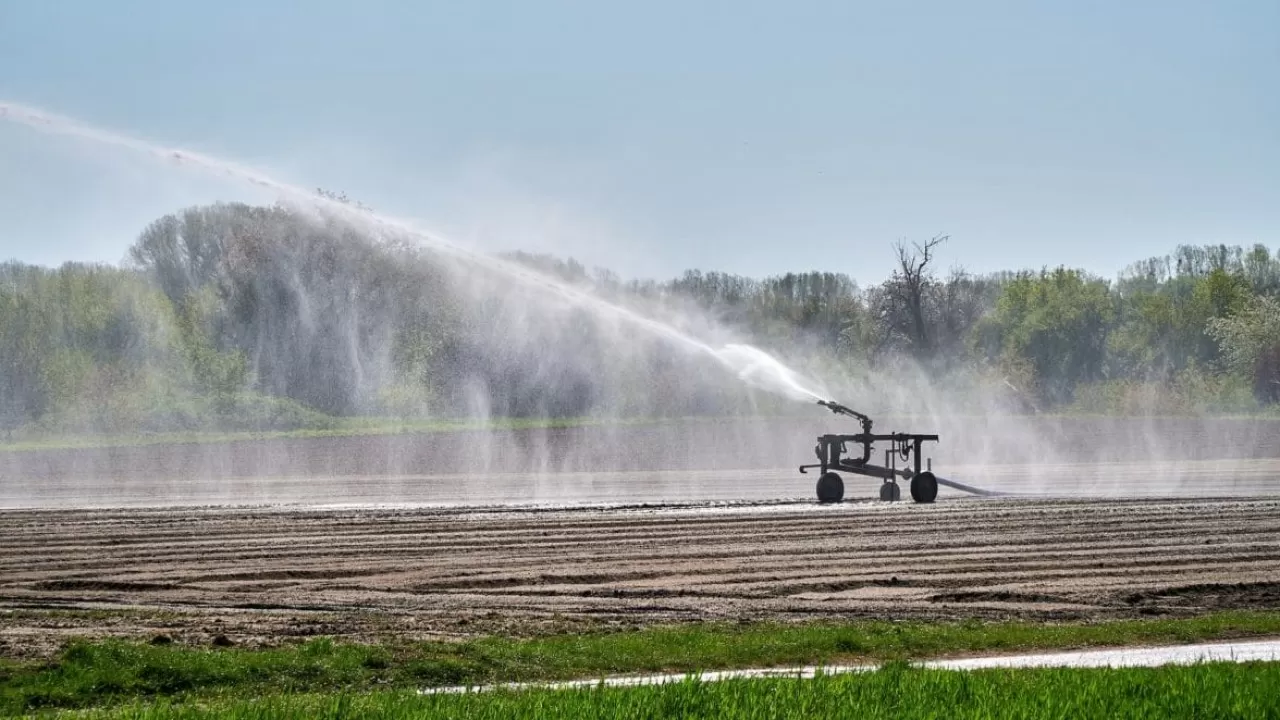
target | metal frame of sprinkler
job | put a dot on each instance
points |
(831, 450)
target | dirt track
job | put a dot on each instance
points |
(266, 575)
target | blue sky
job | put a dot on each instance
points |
(658, 136)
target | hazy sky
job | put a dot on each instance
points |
(741, 136)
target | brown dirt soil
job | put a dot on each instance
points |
(264, 576)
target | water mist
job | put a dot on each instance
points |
(981, 441)
(751, 365)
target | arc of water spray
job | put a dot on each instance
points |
(750, 364)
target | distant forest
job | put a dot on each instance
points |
(232, 316)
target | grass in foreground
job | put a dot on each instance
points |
(1220, 691)
(91, 674)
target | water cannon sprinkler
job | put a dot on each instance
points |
(831, 451)
(839, 409)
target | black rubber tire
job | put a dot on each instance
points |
(830, 488)
(890, 492)
(924, 487)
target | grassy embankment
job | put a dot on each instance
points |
(107, 673)
(1220, 691)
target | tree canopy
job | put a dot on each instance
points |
(232, 315)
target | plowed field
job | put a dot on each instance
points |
(260, 576)
(261, 542)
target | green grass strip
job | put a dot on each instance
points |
(1220, 690)
(374, 426)
(346, 428)
(88, 674)
(354, 427)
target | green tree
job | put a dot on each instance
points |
(24, 346)
(1250, 342)
(1056, 323)
(1160, 326)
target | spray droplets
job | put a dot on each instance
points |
(760, 369)
(751, 365)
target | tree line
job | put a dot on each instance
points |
(247, 317)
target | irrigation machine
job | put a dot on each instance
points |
(833, 459)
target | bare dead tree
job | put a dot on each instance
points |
(903, 298)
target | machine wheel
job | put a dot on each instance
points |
(890, 492)
(924, 487)
(830, 488)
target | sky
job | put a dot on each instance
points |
(745, 137)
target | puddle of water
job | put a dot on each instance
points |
(1262, 650)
